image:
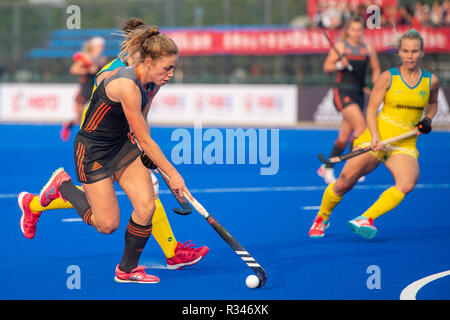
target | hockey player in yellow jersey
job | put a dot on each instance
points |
(409, 97)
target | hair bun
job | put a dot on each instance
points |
(152, 31)
(132, 24)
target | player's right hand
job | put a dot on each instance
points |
(377, 144)
(176, 183)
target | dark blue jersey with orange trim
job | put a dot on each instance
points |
(105, 119)
(358, 57)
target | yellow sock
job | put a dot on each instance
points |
(387, 201)
(329, 200)
(55, 204)
(162, 231)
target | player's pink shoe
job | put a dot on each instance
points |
(363, 226)
(137, 275)
(65, 132)
(50, 191)
(327, 174)
(318, 228)
(186, 255)
(29, 218)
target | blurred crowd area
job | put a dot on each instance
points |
(30, 24)
(334, 14)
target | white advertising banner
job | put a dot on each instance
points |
(267, 105)
(32, 102)
(226, 104)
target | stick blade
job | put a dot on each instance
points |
(262, 276)
(186, 209)
(323, 159)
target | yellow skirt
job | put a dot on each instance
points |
(405, 146)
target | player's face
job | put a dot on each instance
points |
(97, 50)
(355, 31)
(162, 70)
(410, 53)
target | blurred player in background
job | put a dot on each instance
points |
(408, 93)
(177, 254)
(86, 64)
(348, 92)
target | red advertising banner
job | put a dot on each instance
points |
(278, 41)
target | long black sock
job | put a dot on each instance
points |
(136, 237)
(78, 200)
(336, 151)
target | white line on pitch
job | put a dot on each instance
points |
(310, 207)
(410, 292)
(72, 220)
(275, 189)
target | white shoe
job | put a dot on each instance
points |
(327, 174)
(362, 179)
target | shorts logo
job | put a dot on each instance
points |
(96, 166)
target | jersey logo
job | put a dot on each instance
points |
(422, 94)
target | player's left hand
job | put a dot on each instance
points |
(424, 125)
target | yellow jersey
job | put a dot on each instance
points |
(403, 108)
(403, 105)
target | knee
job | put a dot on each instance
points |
(107, 227)
(145, 209)
(344, 184)
(406, 187)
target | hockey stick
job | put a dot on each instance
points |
(186, 208)
(349, 67)
(355, 153)
(229, 239)
(340, 55)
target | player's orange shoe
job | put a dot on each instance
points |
(186, 255)
(29, 218)
(318, 228)
(137, 275)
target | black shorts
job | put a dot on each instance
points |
(96, 160)
(343, 98)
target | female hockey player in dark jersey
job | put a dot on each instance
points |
(105, 150)
(348, 92)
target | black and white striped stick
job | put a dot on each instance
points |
(229, 239)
